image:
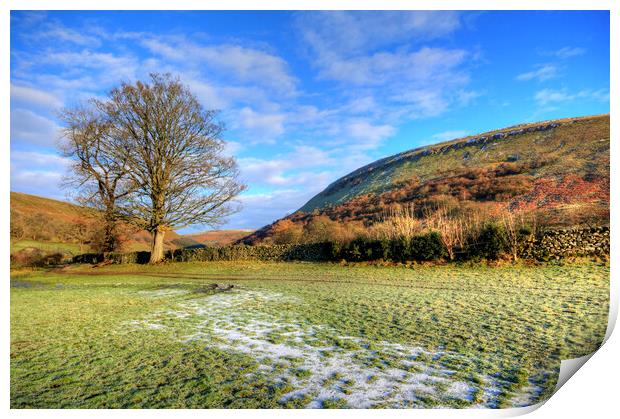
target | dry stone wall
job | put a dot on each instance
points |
(561, 243)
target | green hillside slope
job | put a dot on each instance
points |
(557, 168)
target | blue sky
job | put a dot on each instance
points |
(308, 96)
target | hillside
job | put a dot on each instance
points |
(217, 237)
(558, 170)
(57, 225)
(52, 225)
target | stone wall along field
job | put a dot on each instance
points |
(557, 244)
(548, 245)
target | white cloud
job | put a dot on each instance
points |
(260, 209)
(24, 95)
(363, 104)
(422, 66)
(73, 83)
(544, 72)
(298, 167)
(465, 97)
(33, 128)
(242, 63)
(568, 52)
(420, 103)
(264, 127)
(550, 96)
(36, 26)
(353, 32)
(49, 160)
(43, 183)
(63, 34)
(306, 155)
(29, 18)
(263, 171)
(225, 96)
(231, 148)
(368, 136)
(208, 94)
(546, 96)
(38, 173)
(378, 57)
(112, 68)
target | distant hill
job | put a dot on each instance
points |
(52, 224)
(558, 169)
(218, 237)
(50, 209)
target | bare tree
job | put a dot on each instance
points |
(82, 232)
(37, 224)
(99, 172)
(397, 221)
(17, 226)
(450, 228)
(174, 158)
(512, 223)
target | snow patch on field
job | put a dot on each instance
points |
(160, 293)
(321, 365)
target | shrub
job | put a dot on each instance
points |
(334, 250)
(400, 249)
(385, 249)
(353, 252)
(33, 257)
(428, 247)
(490, 243)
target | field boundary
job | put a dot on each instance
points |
(547, 245)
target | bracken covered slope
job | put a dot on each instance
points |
(558, 168)
(56, 219)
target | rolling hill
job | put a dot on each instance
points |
(51, 225)
(217, 237)
(557, 169)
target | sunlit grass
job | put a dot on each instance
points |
(73, 343)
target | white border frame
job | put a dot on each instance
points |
(594, 390)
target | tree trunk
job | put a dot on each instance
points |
(109, 239)
(157, 247)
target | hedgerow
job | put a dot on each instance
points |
(490, 244)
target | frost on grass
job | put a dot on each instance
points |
(323, 368)
(164, 292)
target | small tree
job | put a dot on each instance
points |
(396, 221)
(37, 226)
(174, 158)
(287, 232)
(82, 232)
(512, 224)
(450, 229)
(319, 229)
(17, 225)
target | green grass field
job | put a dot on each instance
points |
(300, 334)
